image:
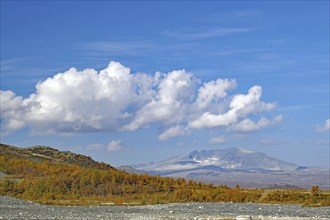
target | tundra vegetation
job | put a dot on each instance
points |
(59, 182)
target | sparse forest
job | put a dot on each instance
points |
(64, 184)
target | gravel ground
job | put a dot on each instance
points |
(11, 208)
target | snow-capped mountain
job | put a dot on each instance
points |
(225, 159)
(238, 166)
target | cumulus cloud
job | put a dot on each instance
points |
(247, 124)
(240, 106)
(173, 132)
(115, 99)
(75, 101)
(173, 96)
(213, 91)
(11, 109)
(217, 140)
(325, 127)
(114, 146)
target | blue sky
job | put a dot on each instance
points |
(134, 82)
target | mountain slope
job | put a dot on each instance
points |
(44, 153)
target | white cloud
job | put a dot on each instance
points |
(240, 106)
(247, 125)
(11, 110)
(9, 101)
(173, 132)
(325, 127)
(76, 101)
(114, 146)
(114, 99)
(169, 103)
(217, 140)
(213, 91)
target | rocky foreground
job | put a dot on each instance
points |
(11, 208)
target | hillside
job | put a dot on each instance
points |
(49, 176)
(45, 153)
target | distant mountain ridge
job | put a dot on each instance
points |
(226, 159)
